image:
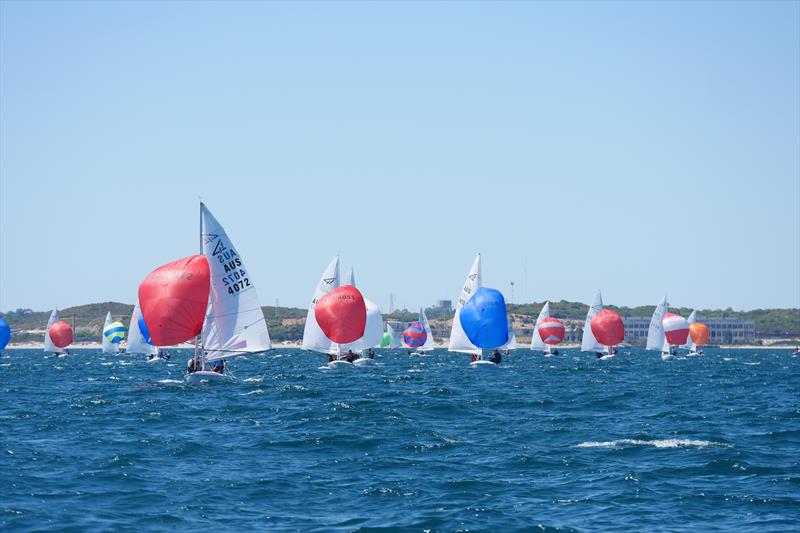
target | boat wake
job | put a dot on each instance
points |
(658, 443)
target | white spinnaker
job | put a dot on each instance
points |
(588, 342)
(234, 323)
(373, 330)
(459, 342)
(429, 344)
(313, 336)
(690, 345)
(536, 339)
(136, 342)
(48, 343)
(395, 342)
(108, 346)
(655, 334)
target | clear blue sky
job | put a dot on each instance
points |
(637, 147)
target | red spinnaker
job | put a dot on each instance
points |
(173, 299)
(61, 334)
(342, 314)
(551, 330)
(607, 327)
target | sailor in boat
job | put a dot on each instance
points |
(554, 351)
(164, 355)
(219, 366)
(496, 357)
(350, 357)
(370, 354)
(194, 365)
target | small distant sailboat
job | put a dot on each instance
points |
(698, 335)
(667, 331)
(547, 332)
(57, 336)
(113, 334)
(602, 331)
(337, 315)
(389, 339)
(139, 337)
(417, 337)
(480, 321)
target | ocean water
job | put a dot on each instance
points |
(112, 443)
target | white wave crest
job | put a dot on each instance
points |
(658, 443)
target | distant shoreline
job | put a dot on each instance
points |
(299, 346)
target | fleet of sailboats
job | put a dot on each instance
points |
(212, 298)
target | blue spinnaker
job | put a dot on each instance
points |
(484, 318)
(144, 330)
(5, 333)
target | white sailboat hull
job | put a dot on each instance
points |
(482, 362)
(364, 361)
(206, 376)
(340, 363)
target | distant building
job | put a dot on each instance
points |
(722, 330)
(444, 305)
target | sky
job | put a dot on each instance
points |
(641, 148)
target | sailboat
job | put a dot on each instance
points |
(389, 339)
(667, 331)
(113, 334)
(418, 336)
(215, 282)
(698, 335)
(656, 340)
(139, 337)
(480, 320)
(337, 315)
(602, 331)
(552, 329)
(57, 336)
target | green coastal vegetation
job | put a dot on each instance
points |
(286, 323)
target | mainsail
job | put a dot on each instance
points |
(234, 323)
(429, 344)
(48, 342)
(536, 340)
(313, 336)
(136, 341)
(588, 342)
(459, 342)
(655, 334)
(108, 346)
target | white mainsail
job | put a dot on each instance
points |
(459, 342)
(351, 278)
(690, 345)
(588, 342)
(429, 344)
(536, 340)
(656, 339)
(234, 323)
(313, 336)
(108, 346)
(48, 343)
(136, 342)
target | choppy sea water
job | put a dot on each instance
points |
(95, 442)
